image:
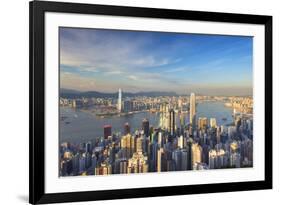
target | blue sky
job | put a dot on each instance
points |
(105, 60)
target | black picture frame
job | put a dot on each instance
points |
(37, 11)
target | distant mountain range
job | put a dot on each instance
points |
(68, 93)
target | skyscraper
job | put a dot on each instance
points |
(180, 103)
(119, 105)
(176, 156)
(106, 131)
(139, 145)
(126, 145)
(184, 159)
(127, 129)
(182, 120)
(192, 108)
(196, 154)
(235, 159)
(160, 154)
(128, 106)
(213, 122)
(172, 121)
(202, 123)
(123, 166)
(164, 110)
(145, 127)
(88, 147)
(181, 142)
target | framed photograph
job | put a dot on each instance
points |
(130, 102)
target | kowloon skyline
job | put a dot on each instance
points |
(103, 60)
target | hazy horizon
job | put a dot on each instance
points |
(153, 91)
(105, 60)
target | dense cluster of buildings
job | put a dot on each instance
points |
(241, 104)
(124, 104)
(197, 145)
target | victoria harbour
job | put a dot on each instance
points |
(84, 126)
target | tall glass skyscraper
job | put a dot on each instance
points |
(171, 121)
(192, 108)
(119, 106)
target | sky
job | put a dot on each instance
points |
(105, 60)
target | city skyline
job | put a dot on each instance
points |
(168, 144)
(155, 61)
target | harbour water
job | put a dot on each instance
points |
(80, 126)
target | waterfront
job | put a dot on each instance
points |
(80, 126)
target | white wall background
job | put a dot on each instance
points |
(14, 44)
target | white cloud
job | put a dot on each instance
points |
(89, 69)
(115, 72)
(132, 77)
(111, 54)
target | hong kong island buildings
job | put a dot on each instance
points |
(198, 145)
